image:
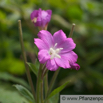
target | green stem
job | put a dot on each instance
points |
(42, 91)
(38, 83)
(71, 32)
(45, 76)
(52, 81)
(45, 72)
(46, 84)
(25, 60)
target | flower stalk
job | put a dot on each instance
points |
(52, 81)
(25, 59)
(46, 84)
(71, 32)
(42, 97)
(38, 84)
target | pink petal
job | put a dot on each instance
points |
(34, 14)
(46, 37)
(44, 14)
(49, 12)
(48, 18)
(41, 44)
(51, 65)
(43, 17)
(67, 45)
(39, 22)
(75, 66)
(62, 62)
(44, 20)
(43, 56)
(70, 56)
(59, 37)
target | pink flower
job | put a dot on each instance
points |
(41, 17)
(56, 51)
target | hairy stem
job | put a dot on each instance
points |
(25, 60)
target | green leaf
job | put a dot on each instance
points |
(33, 68)
(57, 90)
(25, 92)
(54, 99)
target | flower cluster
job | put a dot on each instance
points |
(55, 51)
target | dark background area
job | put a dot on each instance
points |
(88, 36)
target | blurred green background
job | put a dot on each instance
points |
(88, 36)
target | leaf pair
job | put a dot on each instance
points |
(53, 96)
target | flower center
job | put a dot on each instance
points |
(54, 52)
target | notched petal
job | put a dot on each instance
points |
(51, 65)
(43, 56)
(41, 44)
(62, 62)
(59, 37)
(67, 45)
(46, 37)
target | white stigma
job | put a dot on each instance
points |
(55, 45)
(54, 52)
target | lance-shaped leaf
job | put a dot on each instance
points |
(54, 99)
(33, 68)
(57, 90)
(25, 92)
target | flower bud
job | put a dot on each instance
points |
(41, 18)
(75, 66)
